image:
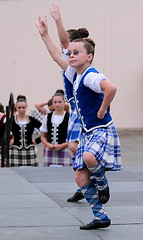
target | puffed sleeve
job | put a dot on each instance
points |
(93, 80)
(69, 73)
(43, 128)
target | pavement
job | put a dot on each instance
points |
(33, 200)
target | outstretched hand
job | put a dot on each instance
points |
(42, 26)
(54, 11)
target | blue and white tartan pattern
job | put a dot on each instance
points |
(74, 128)
(99, 173)
(90, 192)
(104, 144)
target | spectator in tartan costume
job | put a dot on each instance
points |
(22, 146)
(54, 132)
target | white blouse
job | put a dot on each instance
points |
(91, 80)
(56, 120)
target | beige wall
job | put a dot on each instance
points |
(115, 25)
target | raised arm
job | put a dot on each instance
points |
(41, 108)
(109, 93)
(52, 48)
(55, 13)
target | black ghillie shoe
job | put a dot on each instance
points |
(104, 195)
(95, 224)
(76, 197)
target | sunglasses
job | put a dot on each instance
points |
(75, 52)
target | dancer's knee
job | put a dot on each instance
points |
(89, 159)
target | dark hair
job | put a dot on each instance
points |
(60, 91)
(21, 98)
(50, 102)
(1, 108)
(89, 40)
(59, 95)
(77, 33)
(89, 44)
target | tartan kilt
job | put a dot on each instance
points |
(104, 144)
(22, 157)
(74, 128)
(61, 157)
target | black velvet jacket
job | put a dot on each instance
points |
(23, 132)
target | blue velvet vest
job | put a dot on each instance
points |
(69, 92)
(88, 103)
